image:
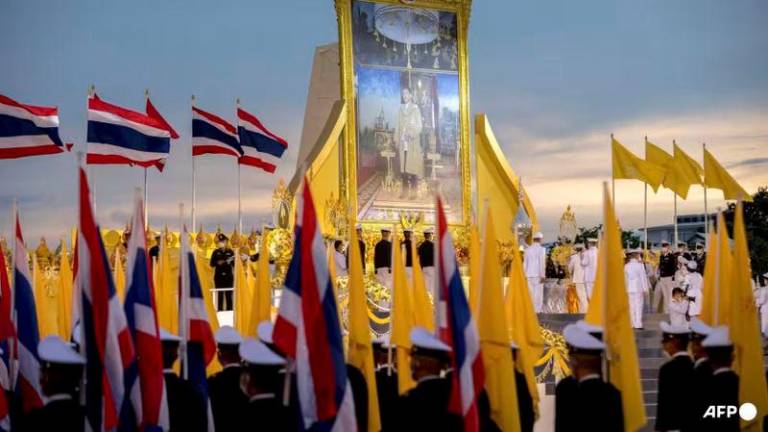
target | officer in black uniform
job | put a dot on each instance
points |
(586, 403)
(682, 250)
(60, 374)
(154, 251)
(524, 399)
(386, 381)
(667, 270)
(426, 250)
(723, 387)
(359, 395)
(406, 243)
(700, 257)
(223, 262)
(227, 399)
(360, 242)
(265, 410)
(702, 372)
(186, 407)
(382, 255)
(425, 407)
(674, 410)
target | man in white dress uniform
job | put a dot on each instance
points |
(577, 276)
(535, 265)
(637, 284)
(589, 264)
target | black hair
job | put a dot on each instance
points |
(677, 290)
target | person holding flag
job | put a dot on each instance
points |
(141, 314)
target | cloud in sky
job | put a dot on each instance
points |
(556, 78)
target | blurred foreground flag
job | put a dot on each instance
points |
(28, 130)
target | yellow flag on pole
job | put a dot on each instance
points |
(263, 283)
(474, 268)
(715, 308)
(494, 338)
(656, 155)
(243, 298)
(613, 311)
(119, 275)
(360, 350)
(65, 294)
(423, 314)
(402, 318)
(745, 330)
(167, 288)
(628, 166)
(716, 177)
(46, 301)
(523, 323)
(691, 169)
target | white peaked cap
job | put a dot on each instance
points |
(634, 251)
(698, 327)
(256, 353)
(429, 230)
(423, 338)
(264, 331)
(673, 329)
(514, 345)
(538, 235)
(54, 350)
(382, 340)
(578, 338)
(227, 335)
(166, 336)
(592, 239)
(692, 265)
(589, 328)
(718, 337)
(358, 226)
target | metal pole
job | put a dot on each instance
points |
(704, 183)
(185, 284)
(194, 181)
(91, 174)
(239, 203)
(675, 219)
(146, 204)
(645, 218)
(12, 346)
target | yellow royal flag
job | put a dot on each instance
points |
(691, 169)
(523, 323)
(716, 177)
(715, 308)
(656, 155)
(494, 338)
(263, 295)
(675, 178)
(402, 318)
(46, 302)
(745, 331)
(612, 312)
(243, 298)
(119, 275)
(65, 294)
(474, 268)
(166, 288)
(360, 350)
(628, 166)
(423, 314)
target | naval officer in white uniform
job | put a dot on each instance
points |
(589, 264)
(637, 284)
(535, 264)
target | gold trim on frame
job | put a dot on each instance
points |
(348, 184)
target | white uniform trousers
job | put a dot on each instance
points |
(636, 300)
(589, 286)
(384, 277)
(581, 293)
(536, 288)
(429, 278)
(663, 293)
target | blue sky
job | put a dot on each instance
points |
(554, 77)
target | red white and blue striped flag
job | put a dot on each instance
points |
(120, 136)
(107, 342)
(261, 148)
(308, 331)
(212, 134)
(196, 331)
(145, 383)
(7, 333)
(28, 130)
(27, 384)
(458, 329)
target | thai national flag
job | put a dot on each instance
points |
(7, 334)
(194, 325)
(119, 136)
(27, 130)
(27, 384)
(212, 134)
(307, 328)
(146, 383)
(458, 329)
(261, 148)
(107, 342)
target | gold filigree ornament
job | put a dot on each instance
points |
(555, 358)
(281, 205)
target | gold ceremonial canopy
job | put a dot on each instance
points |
(399, 130)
